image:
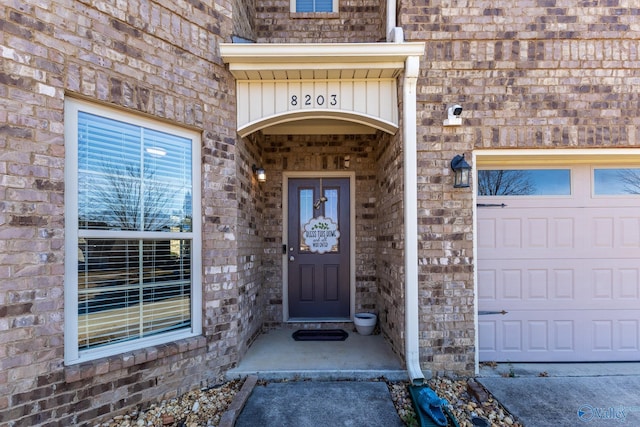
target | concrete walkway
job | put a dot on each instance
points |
(591, 394)
(320, 403)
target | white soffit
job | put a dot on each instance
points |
(269, 61)
(280, 84)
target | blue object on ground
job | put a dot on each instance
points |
(423, 398)
(431, 404)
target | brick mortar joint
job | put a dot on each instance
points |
(118, 362)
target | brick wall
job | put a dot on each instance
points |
(251, 200)
(535, 74)
(244, 12)
(390, 273)
(357, 21)
(155, 58)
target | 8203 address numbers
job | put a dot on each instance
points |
(309, 101)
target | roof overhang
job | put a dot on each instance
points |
(274, 61)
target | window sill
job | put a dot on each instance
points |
(86, 370)
(314, 15)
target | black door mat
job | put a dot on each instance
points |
(320, 335)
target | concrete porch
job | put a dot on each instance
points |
(276, 355)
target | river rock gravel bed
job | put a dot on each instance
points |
(462, 403)
(198, 408)
(204, 408)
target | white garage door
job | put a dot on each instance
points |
(562, 259)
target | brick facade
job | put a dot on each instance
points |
(542, 74)
(357, 21)
(157, 59)
(536, 74)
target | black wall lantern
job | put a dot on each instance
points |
(461, 170)
(259, 172)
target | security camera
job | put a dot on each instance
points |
(453, 116)
(456, 110)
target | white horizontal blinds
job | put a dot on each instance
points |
(314, 5)
(132, 180)
(167, 183)
(108, 158)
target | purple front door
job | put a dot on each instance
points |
(318, 248)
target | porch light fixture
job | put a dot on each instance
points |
(259, 172)
(461, 171)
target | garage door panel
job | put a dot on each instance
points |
(504, 286)
(602, 284)
(559, 335)
(511, 285)
(629, 284)
(629, 232)
(566, 269)
(510, 288)
(629, 334)
(528, 228)
(488, 290)
(487, 337)
(563, 337)
(539, 284)
(534, 235)
(614, 228)
(512, 336)
(602, 335)
(487, 233)
(510, 234)
(538, 233)
(602, 233)
(538, 335)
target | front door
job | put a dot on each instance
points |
(318, 248)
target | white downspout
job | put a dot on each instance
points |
(394, 34)
(409, 119)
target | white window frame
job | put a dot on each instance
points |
(72, 354)
(293, 5)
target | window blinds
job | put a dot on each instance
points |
(314, 5)
(132, 181)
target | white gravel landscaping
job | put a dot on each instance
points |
(204, 408)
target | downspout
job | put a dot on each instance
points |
(409, 136)
(394, 34)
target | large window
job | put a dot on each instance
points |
(314, 6)
(132, 232)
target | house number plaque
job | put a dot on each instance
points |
(308, 100)
(321, 234)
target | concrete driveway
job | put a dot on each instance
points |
(571, 394)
